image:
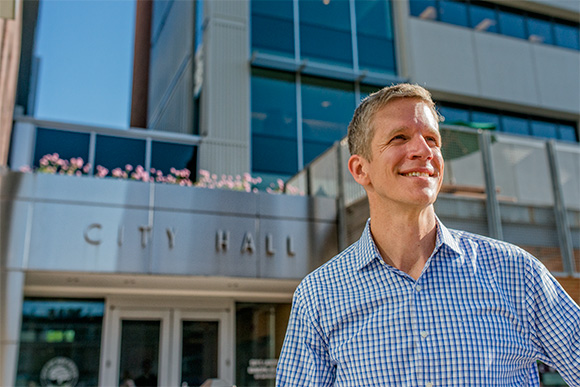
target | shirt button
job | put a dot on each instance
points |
(424, 334)
(418, 288)
(429, 384)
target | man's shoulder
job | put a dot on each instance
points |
(333, 272)
(490, 249)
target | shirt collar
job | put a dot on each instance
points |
(368, 250)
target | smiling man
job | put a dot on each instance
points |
(413, 303)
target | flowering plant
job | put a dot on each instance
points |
(53, 164)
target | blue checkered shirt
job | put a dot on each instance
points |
(481, 313)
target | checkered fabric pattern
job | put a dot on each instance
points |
(481, 314)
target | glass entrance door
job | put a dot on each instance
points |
(171, 347)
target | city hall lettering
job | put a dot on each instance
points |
(223, 240)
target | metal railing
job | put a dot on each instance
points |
(529, 189)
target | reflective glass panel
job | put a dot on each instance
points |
(274, 132)
(166, 155)
(482, 18)
(511, 24)
(544, 129)
(486, 118)
(66, 144)
(273, 26)
(199, 352)
(260, 330)
(325, 33)
(327, 108)
(567, 36)
(453, 12)
(539, 31)
(515, 125)
(454, 115)
(375, 35)
(60, 343)
(567, 133)
(116, 152)
(139, 358)
(424, 9)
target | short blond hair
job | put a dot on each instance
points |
(361, 130)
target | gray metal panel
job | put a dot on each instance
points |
(66, 236)
(88, 189)
(179, 198)
(312, 243)
(13, 238)
(442, 57)
(195, 245)
(506, 68)
(558, 77)
(297, 207)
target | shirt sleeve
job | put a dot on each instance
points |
(304, 360)
(555, 320)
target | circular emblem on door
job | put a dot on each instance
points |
(59, 371)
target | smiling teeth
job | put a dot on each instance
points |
(417, 174)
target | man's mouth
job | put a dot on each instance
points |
(414, 174)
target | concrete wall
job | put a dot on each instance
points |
(454, 60)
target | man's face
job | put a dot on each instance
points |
(407, 165)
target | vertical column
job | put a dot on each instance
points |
(491, 203)
(225, 98)
(11, 295)
(562, 225)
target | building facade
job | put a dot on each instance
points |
(105, 280)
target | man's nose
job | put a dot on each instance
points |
(419, 148)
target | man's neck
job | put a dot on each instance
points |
(405, 239)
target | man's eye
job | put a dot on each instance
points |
(399, 137)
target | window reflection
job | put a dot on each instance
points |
(274, 130)
(453, 12)
(66, 144)
(273, 26)
(325, 33)
(60, 331)
(116, 152)
(375, 35)
(260, 330)
(567, 36)
(539, 31)
(482, 18)
(327, 108)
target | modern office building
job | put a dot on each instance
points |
(106, 279)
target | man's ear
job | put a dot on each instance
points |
(357, 165)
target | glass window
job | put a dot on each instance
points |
(486, 118)
(424, 9)
(482, 18)
(66, 144)
(116, 152)
(539, 31)
(325, 33)
(511, 24)
(274, 130)
(544, 129)
(567, 36)
(60, 342)
(453, 12)
(273, 26)
(515, 125)
(567, 132)
(260, 330)
(327, 108)
(199, 352)
(375, 35)
(166, 155)
(453, 115)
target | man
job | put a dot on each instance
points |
(413, 303)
